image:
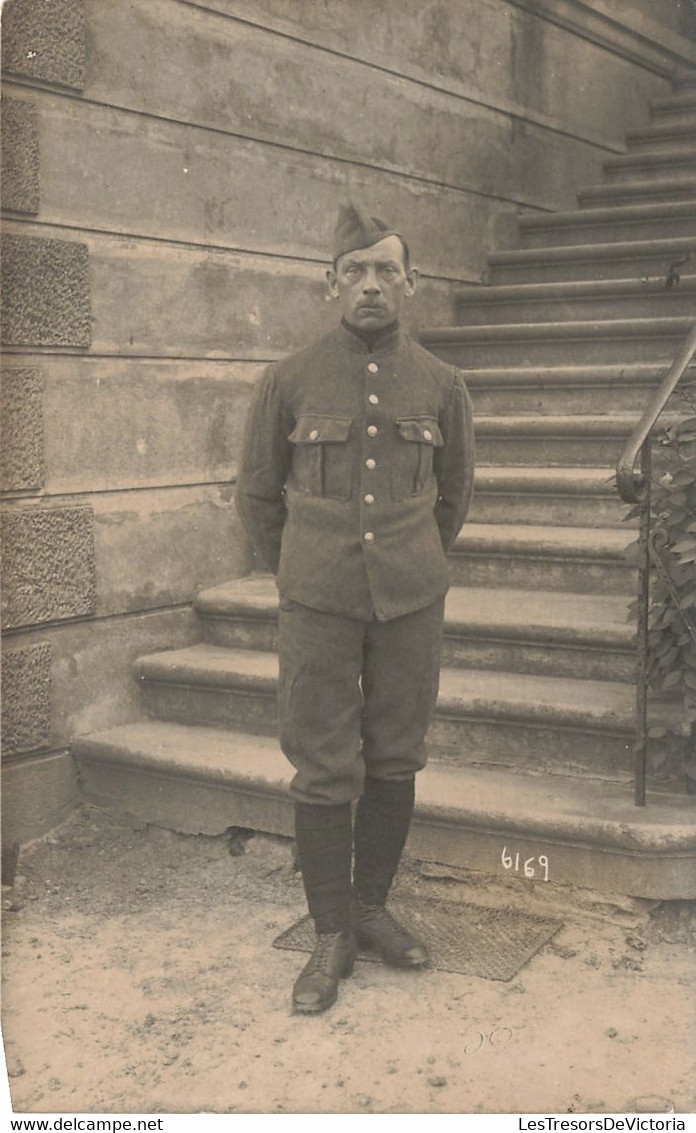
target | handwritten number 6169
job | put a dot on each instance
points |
(528, 867)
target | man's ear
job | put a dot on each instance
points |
(411, 282)
(332, 283)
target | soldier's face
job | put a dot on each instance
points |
(372, 283)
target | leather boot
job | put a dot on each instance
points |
(382, 820)
(377, 929)
(316, 987)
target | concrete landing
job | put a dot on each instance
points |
(566, 830)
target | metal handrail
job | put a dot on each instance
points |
(634, 488)
(631, 484)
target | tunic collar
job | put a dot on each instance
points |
(353, 340)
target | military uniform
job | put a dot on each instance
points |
(355, 478)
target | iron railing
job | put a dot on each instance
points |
(634, 487)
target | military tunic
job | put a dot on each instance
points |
(357, 473)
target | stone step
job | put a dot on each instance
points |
(637, 191)
(204, 780)
(660, 135)
(600, 225)
(582, 560)
(552, 634)
(561, 497)
(582, 342)
(641, 259)
(575, 302)
(566, 389)
(684, 80)
(679, 161)
(674, 108)
(515, 720)
(553, 440)
(587, 637)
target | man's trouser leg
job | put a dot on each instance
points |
(320, 706)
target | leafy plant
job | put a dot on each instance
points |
(672, 625)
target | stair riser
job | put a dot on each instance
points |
(242, 710)
(636, 266)
(550, 452)
(560, 399)
(557, 660)
(673, 303)
(559, 351)
(464, 649)
(681, 140)
(675, 116)
(601, 197)
(678, 165)
(466, 738)
(559, 511)
(238, 633)
(607, 232)
(578, 576)
(522, 747)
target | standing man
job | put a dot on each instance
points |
(355, 479)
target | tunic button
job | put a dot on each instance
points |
(369, 498)
(373, 399)
(372, 430)
(373, 367)
(427, 435)
(314, 434)
(369, 536)
(370, 463)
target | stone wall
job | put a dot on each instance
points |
(171, 170)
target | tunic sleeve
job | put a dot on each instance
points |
(454, 464)
(263, 470)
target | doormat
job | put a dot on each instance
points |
(493, 944)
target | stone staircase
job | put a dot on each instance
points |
(531, 746)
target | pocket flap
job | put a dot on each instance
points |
(425, 430)
(312, 429)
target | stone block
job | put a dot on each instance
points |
(466, 41)
(115, 423)
(45, 40)
(92, 673)
(232, 76)
(48, 566)
(91, 676)
(158, 548)
(151, 298)
(37, 794)
(241, 193)
(26, 699)
(21, 422)
(19, 151)
(46, 287)
(429, 67)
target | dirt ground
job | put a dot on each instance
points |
(139, 977)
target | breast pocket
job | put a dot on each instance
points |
(416, 440)
(322, 463)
